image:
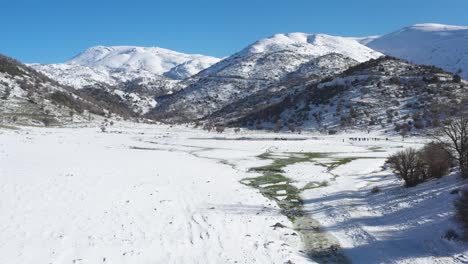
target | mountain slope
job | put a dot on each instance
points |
(260, 65)
(384, 93)
(28, 97)
(444, 46)
(117, 64)
(313, 71)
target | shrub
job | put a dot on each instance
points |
(451, 235)
(437, 160)
(67, 100)
(375, 190)
(47, 121)
(408, 165)
(219, 129)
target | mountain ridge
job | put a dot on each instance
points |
(444, 46)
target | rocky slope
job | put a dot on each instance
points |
(28, 97)
(386, 93)
(261, 65)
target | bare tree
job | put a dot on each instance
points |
(437, 160)
(408, 165)
(455, 139)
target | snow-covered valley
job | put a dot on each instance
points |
(159, 194)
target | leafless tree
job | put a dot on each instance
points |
(437, 160)
(454, 136)
(408, 165)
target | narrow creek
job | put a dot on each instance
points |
(319, 245)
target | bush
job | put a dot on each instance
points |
(408, 165)
(219, 129)
(456, 78)
(375, 189)
(67, 100)
(437, 160)
(414, 167)
(451, 235)
(47, 121)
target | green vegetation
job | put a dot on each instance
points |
(275, 186)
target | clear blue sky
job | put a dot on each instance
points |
(55, 30)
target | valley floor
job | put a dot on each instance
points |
(156, 194)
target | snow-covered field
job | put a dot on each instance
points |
(156, 194)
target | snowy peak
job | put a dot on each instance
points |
(129, 58)
(314, 45)
(258, 67)
(114, 65)
(444, 46)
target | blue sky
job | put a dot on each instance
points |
(55, 30)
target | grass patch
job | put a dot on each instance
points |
(376, 149)
(314, 185)
(275, 186)
(8, 127)
(279, 163)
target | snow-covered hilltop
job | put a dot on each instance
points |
(312, 45)
(256, 68)
(117, 64)
(444, 46)
(177, 87)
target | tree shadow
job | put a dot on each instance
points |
(404, 223)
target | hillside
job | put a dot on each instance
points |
(117, 64)
(257, 67)
(386, 93)
(309, 72)
(28, 97)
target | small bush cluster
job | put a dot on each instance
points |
(416, 166)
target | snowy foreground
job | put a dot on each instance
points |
(154, 194)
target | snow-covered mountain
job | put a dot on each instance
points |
(444, 46)
(384, 93)
(117, 64)
(28, 97)
(310, 72)
(253, 69)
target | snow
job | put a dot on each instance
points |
(444, 46)
(79, 196)
(313, 44)
(153, 193)
(364, 40)
(116, 64)
(151, 59)
(260, 66)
